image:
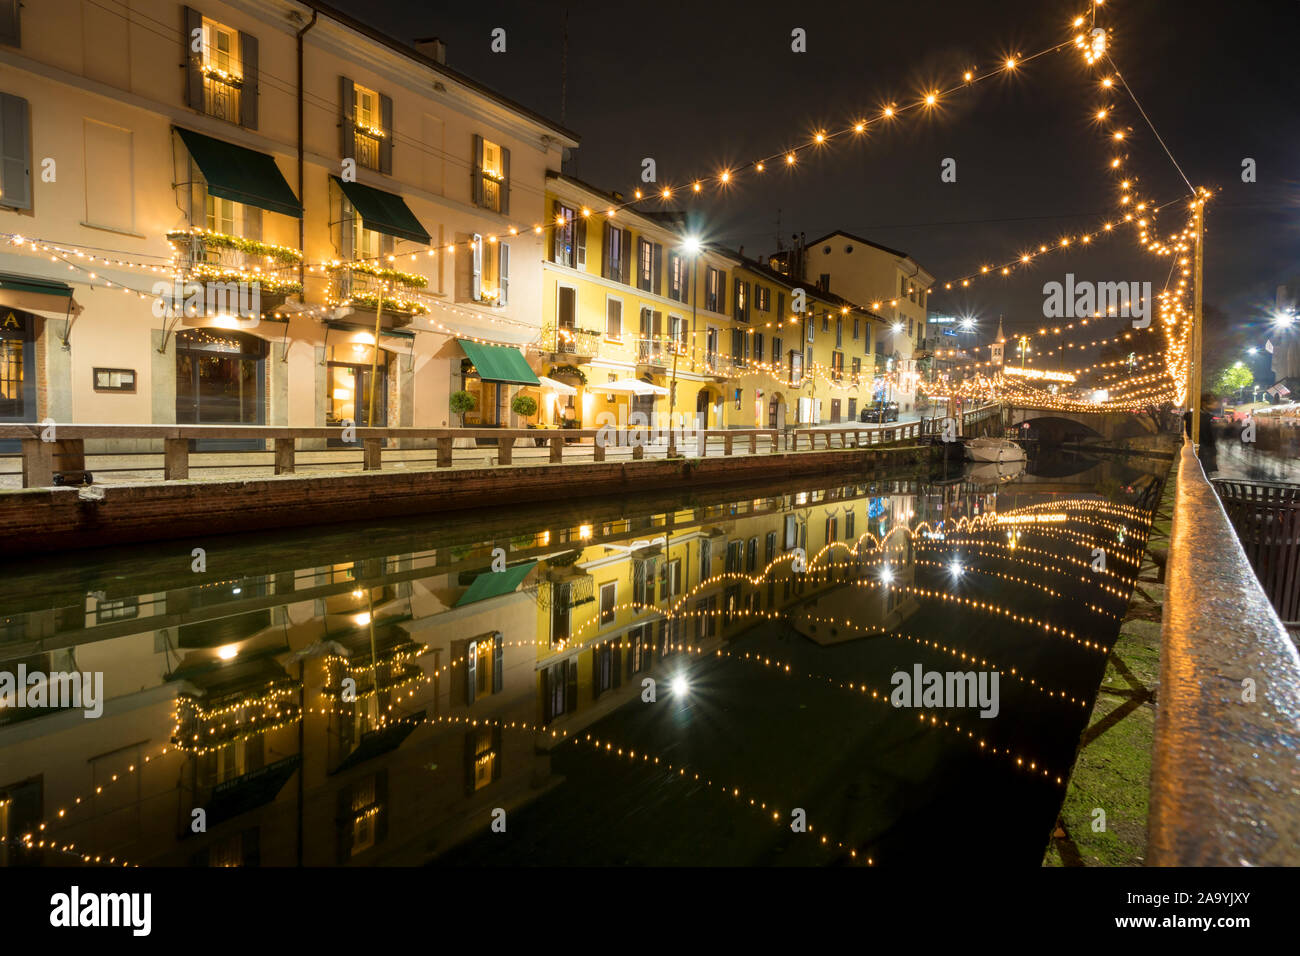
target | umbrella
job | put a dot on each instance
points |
(558, 387)
(635, 386)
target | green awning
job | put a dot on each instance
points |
(492, 584)
(241, 175)
(384, 212)
(499, 363)
(16, 283)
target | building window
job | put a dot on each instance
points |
(777, 350)
(678, 278)
(839, 332)
(368, 127)
(491, 175)
(758, 346)
(706, 559)
(769, 547)
(713, 290)
(493, 260)
(762, 298)
(670, 579)
(645, 264)
(15, 163)
(832, 526)
(826, 321)
(751, 555)
(742, 301)
(608, 595)
(857, 328)
(223, 79)
(613, 318)
(617, 260)
(849, 516)
(796, 366)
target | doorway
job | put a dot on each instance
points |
(221, 380)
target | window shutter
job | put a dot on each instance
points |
(658, 258)
(606, 257)
(498, 660)
(503, 272)
(595, 672)
(15, 171)
(476, 268)
(471, 670)
(347, 119)
(722, 293)
(571, 688)
(548, 689)
(476, 172)
(505, 181)
(386, 143)
(496, 750)
(555, 231)
(616, 662)
(626, 247)
(10, 34)
(580, 242)
(381, 801)
(343, 823)
(193, 60)
(470, 740)
(248, 93)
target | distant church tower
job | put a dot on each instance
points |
(995, 350)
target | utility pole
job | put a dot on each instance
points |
(1194, 366)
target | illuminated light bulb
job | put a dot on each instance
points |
(1024, 258)
(859, 127)
(820, 137)
(968, 76)
(931, 99)
(1108, 82)
(586, 211)
(725, 177)
(759, 167)
(789, 159)
(888, 111)
(696, 186)
(666, 192)
(1011, 63)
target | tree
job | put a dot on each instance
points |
(462, 402)
(1234, 378)
(524, 406)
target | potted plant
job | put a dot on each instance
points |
(524, 406)
(462, 402)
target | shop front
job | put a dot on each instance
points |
(221, 380)
(491, 374)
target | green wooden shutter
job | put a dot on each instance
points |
(386, 142)
(505, 181)
(347, 119)
(476, 171)
(15, 169)
(10, 22)
(626, 250)
(607, 248)
(658, 257)
(476, 268)
(580, 242)
(248, 93)
(193, 60)
(498, 662)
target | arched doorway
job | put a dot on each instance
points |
(708, 407)
(776, 411)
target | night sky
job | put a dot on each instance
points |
(700, 86)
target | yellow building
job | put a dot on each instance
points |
(673, 325)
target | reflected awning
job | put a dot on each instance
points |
(32, 293)
(499, 363)
(240, 174)
(384, 212)
(631, 385)
(495, 583)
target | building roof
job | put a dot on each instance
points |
(825, 295)
(410, 52)
(848, 235)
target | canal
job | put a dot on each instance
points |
(718, 676)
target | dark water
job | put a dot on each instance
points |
(382, 695)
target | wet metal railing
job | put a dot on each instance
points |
(1225, 760)
(1266, 516)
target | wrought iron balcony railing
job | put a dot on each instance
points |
(202, 256)
(361, 284)
(571, 341)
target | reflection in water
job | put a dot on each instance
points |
(679, 680)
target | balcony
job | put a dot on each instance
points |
(656, 354)
(365, 144)
(221, 94)
(570, 342)
(358, 286)
(201, 256)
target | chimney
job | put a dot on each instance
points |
(433, 48)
